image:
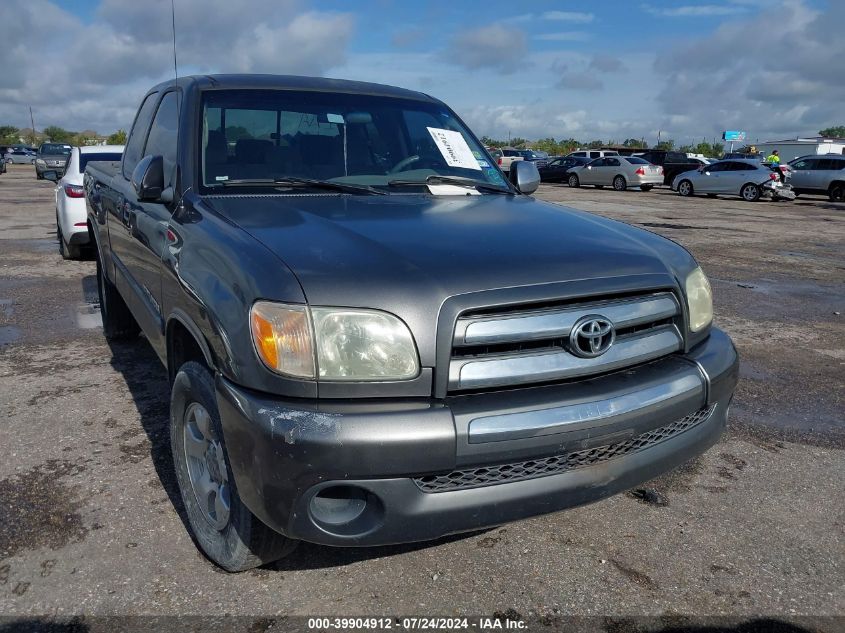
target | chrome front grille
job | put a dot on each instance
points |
(556, 464)
(521, 347)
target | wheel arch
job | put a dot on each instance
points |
(184, 342)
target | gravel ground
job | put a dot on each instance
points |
(90, 520)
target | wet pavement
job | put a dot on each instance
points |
(91, 523)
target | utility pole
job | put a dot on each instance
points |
(658, 138)
(32, 121)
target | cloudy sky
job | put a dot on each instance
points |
(611, 70)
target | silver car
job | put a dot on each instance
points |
(824, 175)
(733, 177)
(19, 157)
(619, 172)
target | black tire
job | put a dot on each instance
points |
(118, 322)
(619, 183)
(750, 192)
(38, 176)
(646, 187)
(573, 181)
(686, 189)
(243, 542)
(837, 192)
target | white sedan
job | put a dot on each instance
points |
(71, 222)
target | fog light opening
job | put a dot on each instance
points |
(338, 505)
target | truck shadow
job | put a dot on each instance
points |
(146, 379)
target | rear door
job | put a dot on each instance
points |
(610, 169)
(739, 173)
(113, 198)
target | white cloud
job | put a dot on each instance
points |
(569, 16)
(563, 36)
(797, 91)
(693, 10)
(100, 70)
(494, 46)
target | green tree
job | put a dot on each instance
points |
(58, 135)
(634, 142)
(837, 131)
(668, 144)
(9, 134)
(118, 138)
(595, 144)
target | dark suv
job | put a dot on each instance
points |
(52, 157)
(823, 174)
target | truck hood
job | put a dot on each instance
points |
(409, 253)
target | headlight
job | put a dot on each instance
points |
(40, 161)
(699, 300)
(363, 345)
(344, 344)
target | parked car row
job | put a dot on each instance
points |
(749, 178)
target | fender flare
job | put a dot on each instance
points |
(193, 329)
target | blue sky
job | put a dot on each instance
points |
(608, 70)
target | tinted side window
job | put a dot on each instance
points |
(799, 164)
(830, 164)
(611, 162)
(162, 138)
(135, 144)
(716, 167)
(595, 154)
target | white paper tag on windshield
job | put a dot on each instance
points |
(454, 148)
(452, 190)
(334, 118)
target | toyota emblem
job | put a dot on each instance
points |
(591, 336)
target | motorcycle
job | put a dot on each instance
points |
(775, 187)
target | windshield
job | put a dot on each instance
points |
(55, 148)
(266, 135)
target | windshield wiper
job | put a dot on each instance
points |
(451, 180)
(303, 182)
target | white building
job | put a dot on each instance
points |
(793, 148)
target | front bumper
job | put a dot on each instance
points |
(366, 463)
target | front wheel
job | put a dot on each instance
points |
(837, 193)
(619, 183)
(224, 528)
(750, 192)
(573, 181)
(685, 188)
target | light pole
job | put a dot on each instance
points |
(32, 122)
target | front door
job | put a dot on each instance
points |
(145, 226)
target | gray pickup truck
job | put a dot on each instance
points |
(372, 335)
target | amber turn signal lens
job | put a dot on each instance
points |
(282, 337)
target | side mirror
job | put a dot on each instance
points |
(51, 175)
(148, 178)
(524, 176)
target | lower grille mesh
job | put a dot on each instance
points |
(556, 464)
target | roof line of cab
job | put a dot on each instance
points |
(291, 82)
